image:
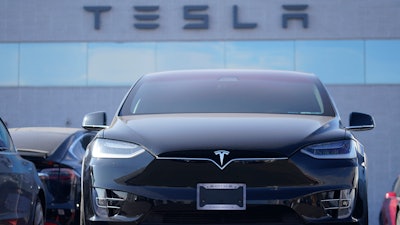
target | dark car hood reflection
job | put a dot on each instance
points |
(269, 132)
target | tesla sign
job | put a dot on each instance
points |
(147, 17)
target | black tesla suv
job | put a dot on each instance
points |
(225, 147)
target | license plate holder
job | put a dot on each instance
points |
(221, 196)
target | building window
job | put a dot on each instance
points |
(53, 64)
(334, 62)
(382, 61)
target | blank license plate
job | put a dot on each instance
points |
(221, 196)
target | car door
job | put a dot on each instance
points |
(17, 184)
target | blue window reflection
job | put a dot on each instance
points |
(383, 61)
(190, 55)
(53, 64)
(278, 55)
(334, 62)
(119, 63)
(115, 64)
(9, 64)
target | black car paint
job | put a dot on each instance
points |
(60, 171)
(283, 181)
(277, 134)
(21, 190)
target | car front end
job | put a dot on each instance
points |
(218, 167)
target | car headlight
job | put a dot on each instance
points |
(105, 148)
(345, 149)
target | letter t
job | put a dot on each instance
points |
(97, 10)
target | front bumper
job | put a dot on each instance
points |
(117, 206)
(323, 193)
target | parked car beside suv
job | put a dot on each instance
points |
(22, 195)
(390, 209)
(57, 153)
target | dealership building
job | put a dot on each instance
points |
(61, 59)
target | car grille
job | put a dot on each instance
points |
(253, 173)
(253, 215)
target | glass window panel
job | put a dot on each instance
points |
(9, 64)
(382, 61)
(108, 64)
(119, 63)
(53, 64)
(277, 55)
(190, 55)
(334, 62)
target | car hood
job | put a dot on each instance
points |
(274, 133)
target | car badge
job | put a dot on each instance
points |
(221, 154)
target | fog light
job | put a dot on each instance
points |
(112, 205)
(108, 202)
(100, 207)
(347, 202)
(339, 203)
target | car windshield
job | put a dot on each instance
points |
(227, 94)
(5, 140)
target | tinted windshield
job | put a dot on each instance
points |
(227, 94)
(5, 139)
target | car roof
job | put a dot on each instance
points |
(207, 73)
(41, 139)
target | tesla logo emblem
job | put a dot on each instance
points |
(221, 154)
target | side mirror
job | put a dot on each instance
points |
(360, 121)
(95, 121)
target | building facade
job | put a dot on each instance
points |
(60, 59)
